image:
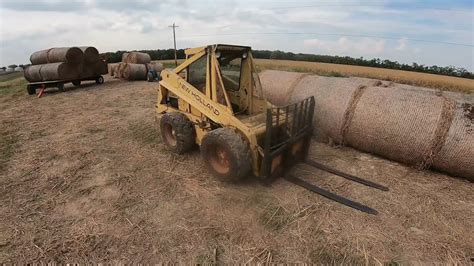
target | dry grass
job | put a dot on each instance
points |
(84, 178)
(337, 70)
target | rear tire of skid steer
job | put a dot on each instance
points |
(177, 132)
(226, 154)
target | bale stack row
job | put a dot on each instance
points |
(65, 63)
(134, 66)
(417, 126)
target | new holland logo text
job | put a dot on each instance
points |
(199, 98)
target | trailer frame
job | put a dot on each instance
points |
(42, 85)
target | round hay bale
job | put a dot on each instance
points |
(39, 57)
(408, 124)
(457, 153)
(134, 71)
(91, 54)
(137, 58)
(59, 71)
(32, 73)
(124, 57)
(156, 66)
(112, 68)
(71, 55)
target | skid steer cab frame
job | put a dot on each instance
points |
(214, 99)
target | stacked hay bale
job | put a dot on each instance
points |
(135, 66)
(417, 126)
(65, 63)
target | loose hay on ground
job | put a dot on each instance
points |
(87, 183)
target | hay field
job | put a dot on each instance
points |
(85, 177)
(399, 76)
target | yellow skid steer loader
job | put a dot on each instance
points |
(214, 99)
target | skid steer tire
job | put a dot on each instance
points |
(177, 132)
(226, 154)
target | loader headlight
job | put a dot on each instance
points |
(244, 55)
(218, 54)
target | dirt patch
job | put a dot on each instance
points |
(87, 179)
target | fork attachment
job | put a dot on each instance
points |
(327, 194)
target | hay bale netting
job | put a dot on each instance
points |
(91, 54)
(134, 71)
(137, 58)
(52, 72)
(456, 156)
(156, 66)
(398, 124)
(111, 68)
(72, 55)
(278, 85)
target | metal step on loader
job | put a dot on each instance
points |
(214, 99)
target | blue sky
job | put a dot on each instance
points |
(427, 32)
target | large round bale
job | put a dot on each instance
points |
(134, 72)
(51, 72)
(112, 68)
(90, 70)
(33, 73)
(124, 57)
(59, 71)
(137, 58)
(91, 54)
(156, 66)
(456, 155)
(71, 55)
(417, 126)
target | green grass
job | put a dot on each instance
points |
(13, 85)
(10, 76)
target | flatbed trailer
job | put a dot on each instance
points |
(42, 85)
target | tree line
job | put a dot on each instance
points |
(166, 54)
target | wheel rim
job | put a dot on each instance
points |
(219, 160)
(169, 135)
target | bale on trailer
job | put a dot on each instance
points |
(94, 69)
(417, 126)
(51, 72)
(137, 58)
(71, 55)
(134, 71)
(91, 54)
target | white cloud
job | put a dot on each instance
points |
(402, 44)
(345, 45)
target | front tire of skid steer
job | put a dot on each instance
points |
(226, 154)
(177, 132)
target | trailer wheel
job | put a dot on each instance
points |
(31, 89)
(76, 83)
(60, 87)
(226, 154)
(177, 132)
(99, 80)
